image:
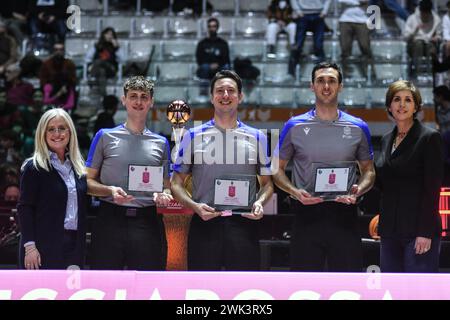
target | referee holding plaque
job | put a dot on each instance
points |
(226, 158)
(128, 168)
(326, 147)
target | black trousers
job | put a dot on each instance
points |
(121, 241)
(71, 256)
(228, 242)
(326, 237)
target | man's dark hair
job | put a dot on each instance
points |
(230, 74)
(58, 43)
(325, 65)
(110, 102)
(212, 19)
(425, 5)
(442, 91)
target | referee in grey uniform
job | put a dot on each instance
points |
(220, 238)
(325, 233)
(127, 232)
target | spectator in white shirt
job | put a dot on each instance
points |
(421, 30)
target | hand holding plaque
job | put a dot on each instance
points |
(334, 181)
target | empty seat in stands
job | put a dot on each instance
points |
(350, 97)
(181, 26)
(378, 96)
(139, 49)
(427, 96)
(149, 25)
(196, 97)
(275, 72)
(89, 25)
(251, 25)
(179, 49)
(305, 97)
(282, 48)
(354, 72)
(225, 26)
(252, 95)
(254, 5)
(247, 48)
(305, 72)
(277, 96)
(387, 72)
(221, 5)
(88, 5)
(173, 71)
(76, 48)
(121, 24)
(388, 50)
(166, 94)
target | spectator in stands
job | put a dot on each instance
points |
(279, 13)
(48, 17)
(104, 58)
(30, 65)
(191, 6)
(212, 52)
(18, 92)
(105, 119)
(30, 117)
(352, 25)
(121, 5)
(421, 31)
(12, 193)
(8, 49)
(308, 15)
(128, 232)
(15, 15)
(58, 78)
(441, 95)
(53, 203)
(9, 114)
(324, 233)
(395, 6)
(155, 6)
(9, 147)
(409, 174)
(446, 30)
(9, 174)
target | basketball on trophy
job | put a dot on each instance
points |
(178, 113)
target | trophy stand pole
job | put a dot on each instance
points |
(177, 225)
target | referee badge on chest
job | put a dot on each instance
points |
(347, 133)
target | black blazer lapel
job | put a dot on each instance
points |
(388, 147)
(410, 138)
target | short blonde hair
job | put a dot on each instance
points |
(41, 155)
(401, 85)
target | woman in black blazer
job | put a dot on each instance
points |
(53, 199)
(409, 174)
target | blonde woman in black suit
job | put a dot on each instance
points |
(409, 174)
(53, 200)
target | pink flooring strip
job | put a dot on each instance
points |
(130, 285)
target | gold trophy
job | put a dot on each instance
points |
(176, 217)
(178, 113)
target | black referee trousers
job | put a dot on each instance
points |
(326, 237)
(121, 241)
(229, 243)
